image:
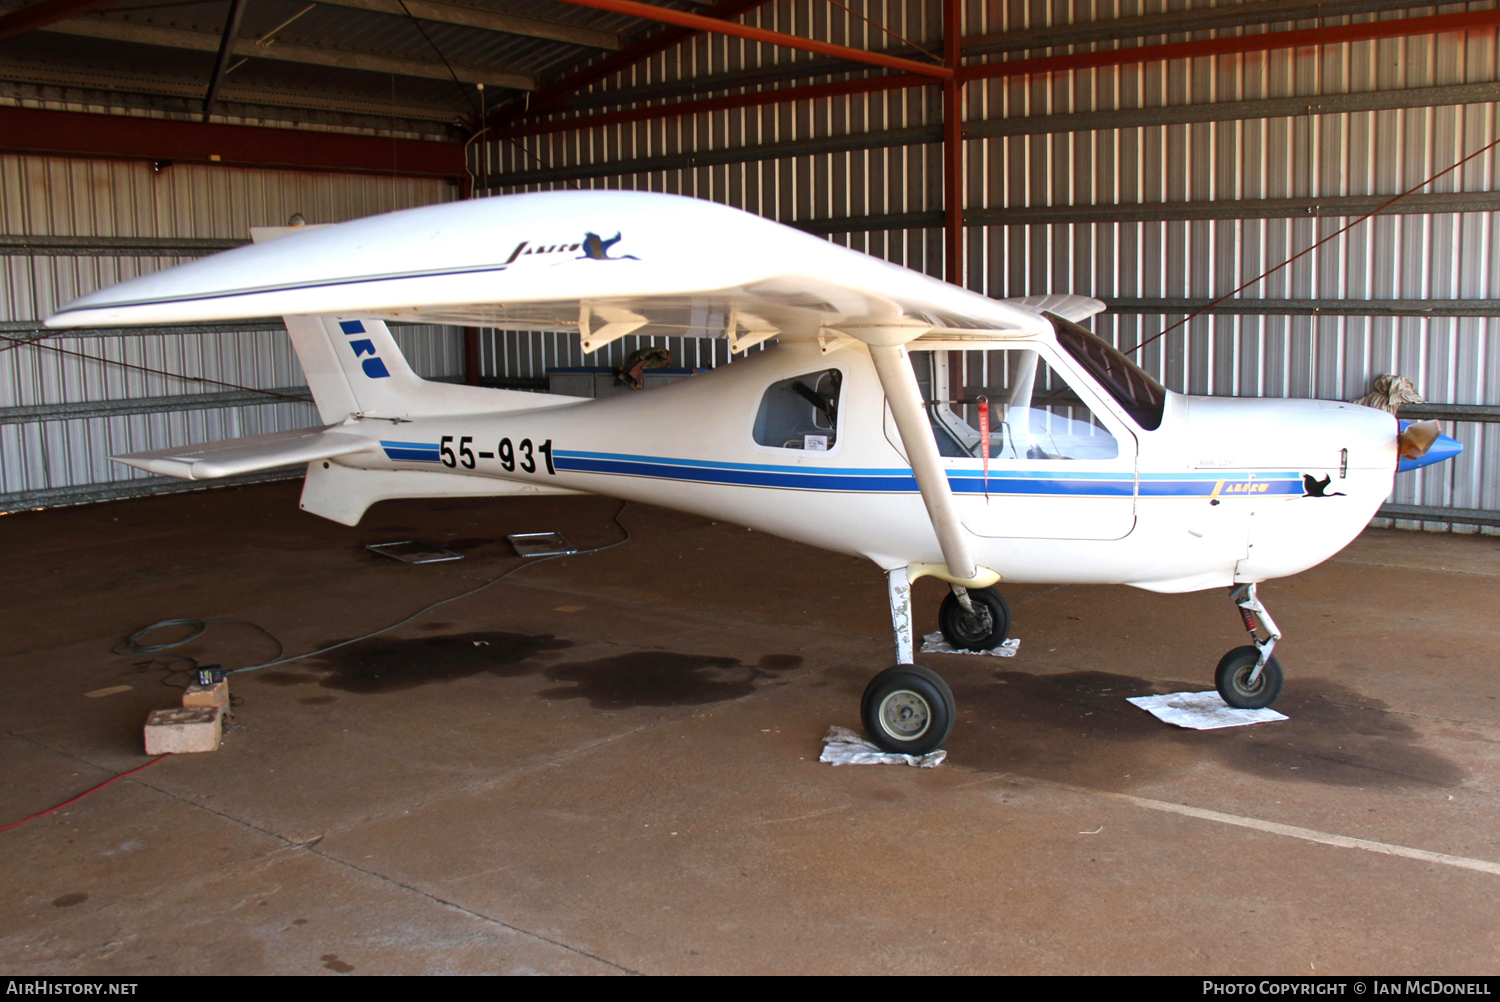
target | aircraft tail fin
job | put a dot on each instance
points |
(355, 369)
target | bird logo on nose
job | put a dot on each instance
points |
(1318, 488)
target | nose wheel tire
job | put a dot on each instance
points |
(1233, 679)
(983, 629)
(908, 709)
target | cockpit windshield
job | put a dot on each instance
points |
(1142, 397)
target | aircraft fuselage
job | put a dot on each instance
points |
(1223, 491)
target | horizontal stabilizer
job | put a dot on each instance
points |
(247, 455)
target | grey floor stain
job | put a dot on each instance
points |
(392, 664)
(653, 678)
(636, 678)
(1077, 727)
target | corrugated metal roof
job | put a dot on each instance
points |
(162, 74)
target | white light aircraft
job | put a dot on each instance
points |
(932, 430)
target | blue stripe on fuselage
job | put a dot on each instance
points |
(412, 452)
(1030, 483)
(1045, 483)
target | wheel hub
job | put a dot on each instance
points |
(1242, 681)
(978, 623)
(905, 715)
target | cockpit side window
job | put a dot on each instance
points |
(800, 413)
(1143, 398)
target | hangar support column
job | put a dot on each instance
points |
(953, 146)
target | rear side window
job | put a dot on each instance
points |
(1142, 397)
(800, 413)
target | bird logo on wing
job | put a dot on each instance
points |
(595, 248)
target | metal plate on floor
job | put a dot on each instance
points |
(541, 544)
(410, 551)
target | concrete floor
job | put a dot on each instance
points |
(608, 764)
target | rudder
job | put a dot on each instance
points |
(354, 367)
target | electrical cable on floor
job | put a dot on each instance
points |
(85, 793)
(160, 661)
(198, 627)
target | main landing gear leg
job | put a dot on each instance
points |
(906, 708)
(900, 592)
(1249, 677)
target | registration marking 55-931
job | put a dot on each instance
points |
(525, 451)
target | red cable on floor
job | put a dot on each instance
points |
(85, 793)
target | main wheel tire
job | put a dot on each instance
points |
(984, 629)
(908, 709)
(1233, 679)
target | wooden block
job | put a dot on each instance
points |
(190, 729)
(208, 695)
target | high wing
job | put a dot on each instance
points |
(603, 263)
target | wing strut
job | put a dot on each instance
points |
(905, 397)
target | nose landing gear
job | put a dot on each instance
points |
(975, 619)
(1249, 678)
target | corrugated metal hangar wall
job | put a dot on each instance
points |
(68, 227)
(1156, 186)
